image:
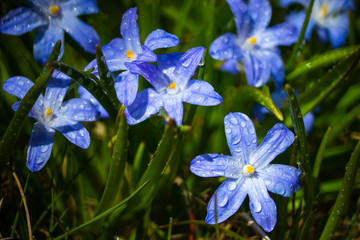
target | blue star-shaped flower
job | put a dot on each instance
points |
(85, 94)
(255, 45)
(280, 100)
(120, 51)
(248, 171)
(52, 114)
(172, 86)
(329, 19)
(52, 18)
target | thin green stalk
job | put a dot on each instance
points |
(170, 229)
(343, 199)
(103, 214)
(320, 154)
(296, 48)
(353, 221)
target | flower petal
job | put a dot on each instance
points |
(281, 179)
(278, 35)
(80, 31)
(231, 66)
(174, 107)
(201, 93)
(277, 67)
(229, 197)
(146, 103)
(130, 31)
(76, 133)
(83, 93)
(78, 109)
(80, 7)
(40, 146)
(338, 28)
(126, 86)
(309, 119)
(147, 55)
(56, 90)
(36, 111)
(187, 65)
(262, 207)
(20, 21)
(160, 39)
(45, 39)
(17, 86)
(216, 165)
(260, 12)
(240, 136)
(238, 8)
(151, 73)
(285, 3)
(277, 140)
(167, 62)
(225, 47)
(257, 70)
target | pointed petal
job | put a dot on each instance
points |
(126, 86)
(187, 65)
(56, 90)
(229, 197)
(260, 12)
(80, 7)
(20, 21)
(77, 134)
(80, 31)
(280, 179)
(147, 55)
(225, 47)
(83, 93)
(78, 109)
(338, 28)
(146, 103)
(231, 66)
(278, 35)
(240, 136)
(201, 93)
(40, 146)
(45, 39)
(262, 207)
(160, 39)
(257, 70)
(151, 73)
(216, 165)
(130, 31)
(277, 67)
(36, 111)
(277, 140)
(174, 108)
(238, 8)
(17, 86)
(167, 62)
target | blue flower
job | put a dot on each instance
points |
(255, 45)
(328, 18)
(85, 94)
(52, 18)
(52, 114)
(120, 51)
(280, 100)
(249, 171)
(172, 86)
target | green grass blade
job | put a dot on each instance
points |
(87, 82)
(320, 154)
(322, 60)
(343, 199)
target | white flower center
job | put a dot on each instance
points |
(248, 170)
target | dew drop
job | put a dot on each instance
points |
(44, 148)
(231, 186)
(256, 206)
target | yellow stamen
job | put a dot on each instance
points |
(172, 85)
(249, 169)
(252, 40)
(54, 9)
(324, 11)
(129, 54)
(48, 112)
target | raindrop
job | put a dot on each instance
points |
(279, 188)
(256, 206)
(243, 124)
(44, 148)
(231, 186)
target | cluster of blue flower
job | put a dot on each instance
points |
(254, 50)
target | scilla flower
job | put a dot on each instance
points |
(128, 49)
(255, 45)
(52, 114)
(52, 18)
(248, 171)
(328, 18)
(171, 86)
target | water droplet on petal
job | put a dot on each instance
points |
(231, 186)
(256, 206)
(44, 148)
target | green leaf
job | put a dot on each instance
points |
(105, 74)
(320, 154)
(263, 99)
(103, 214)
(322, 60)
(343, 199)
(89, 84)
(13, 130)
